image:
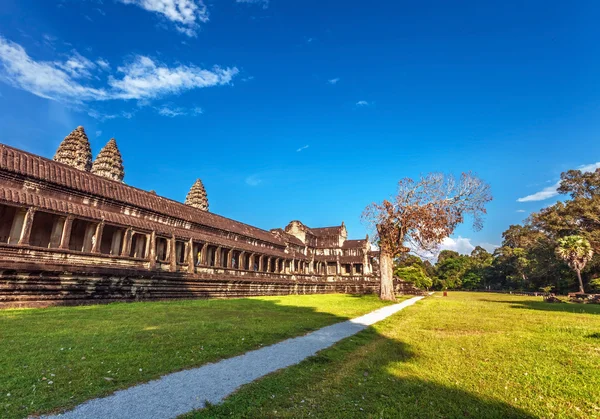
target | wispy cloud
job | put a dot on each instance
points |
(98, 133)
(103, 64)
(171, 112)
(264, 3)
(187, 15)
(302, 148)
(363, 103)
(144, 78)
(552, 191)
(521, 210)
(74, 80)
(333, 81)
(253, 180)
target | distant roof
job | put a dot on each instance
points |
(287, 237)
(326, 231)
(355, 244)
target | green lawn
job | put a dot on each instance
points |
(59, 357)
(465, 355)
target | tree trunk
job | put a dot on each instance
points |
(386, 291)
(581, 290)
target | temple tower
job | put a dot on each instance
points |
(109, 163)
(196, 197)
(75, 150)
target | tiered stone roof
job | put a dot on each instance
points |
(109, 163)
(35, 167)
(196, 197)
(75, 150)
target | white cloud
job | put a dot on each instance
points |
(253, 180)
(98, 133)
(265, 3)
(302, 148)
(462, 245)
(172, 112)
(334, 81)
(71, 81)
(77, 66)
(145, 79)
(44, 79)
(362, 103)
(103, 64)
(552, 191)
(521, 210)
(185, 14)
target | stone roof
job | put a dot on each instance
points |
(23, 197)
(287, 237)
(36, 167)
(109, 163)
(355, 244)
(75, 150)
(196, 197)
(326, 231)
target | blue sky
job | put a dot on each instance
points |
(311, 110)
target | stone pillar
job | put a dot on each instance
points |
(191, 256)
(230, 258)
(218, 257)
(241, 264)
(260, 263)
(268, 264)
(172, 254)
(27, 224)
(127, 243)
(97, 239)
(352, 269)
(66, 233)
(152, 250)
(57, 232)
(338, 269)
(116, 244)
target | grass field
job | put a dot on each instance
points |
(59, 357)
(466, 355)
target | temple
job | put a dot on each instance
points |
(72, 232)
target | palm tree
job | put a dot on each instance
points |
(576, 251)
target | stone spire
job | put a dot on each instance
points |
(196, 197)
(109, 163)
(75, 150)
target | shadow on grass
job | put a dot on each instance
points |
(356, 379)
(577, 308)
(91, 351)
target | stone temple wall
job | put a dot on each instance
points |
(69, 236)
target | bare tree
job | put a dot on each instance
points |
(421, 215)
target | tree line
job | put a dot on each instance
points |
(555, 250)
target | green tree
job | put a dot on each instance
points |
(415, 275)
(576, 251)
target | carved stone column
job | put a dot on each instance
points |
(152, 250)
(172, 255)
(66, 234)
(126, 250)
(218, 257)
(230, 259)
(27, 224)
(98, 237)
(191, 256)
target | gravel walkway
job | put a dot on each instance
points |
(184, 391)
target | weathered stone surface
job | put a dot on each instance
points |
(75, 150)
(109, 163)
(196, 197)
